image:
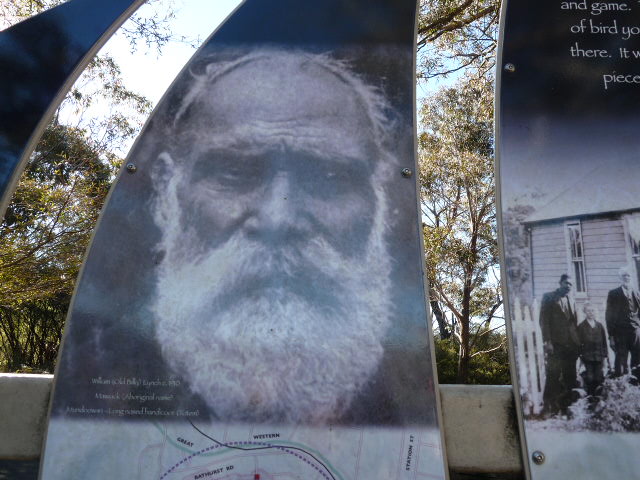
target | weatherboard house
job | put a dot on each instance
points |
(589, 231)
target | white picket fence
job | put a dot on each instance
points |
(529, 354)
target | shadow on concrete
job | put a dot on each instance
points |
(19, 469)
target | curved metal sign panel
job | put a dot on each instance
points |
(569, 163)
(40, 58)
(253, 305)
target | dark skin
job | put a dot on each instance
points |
(563, 290)
(280, 168)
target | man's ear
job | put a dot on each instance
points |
(162, 171)
(164, 203)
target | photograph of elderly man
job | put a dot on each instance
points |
(254, 298)
(272, 210)
(623, 323)
(276, 284)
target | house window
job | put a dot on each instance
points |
(576, 253)
(633, 229)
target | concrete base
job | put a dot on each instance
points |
(480, 426)
(24, 404)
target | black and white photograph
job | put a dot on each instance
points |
(574, 272)
(569, 199)
(256, 278)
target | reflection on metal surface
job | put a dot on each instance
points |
(39, 59)
(537, 457)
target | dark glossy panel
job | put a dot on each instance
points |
(349, 23)
(37, 56)
(570, 198)
(554, 106)
(548, 79)
(111, 307)
(262, 268)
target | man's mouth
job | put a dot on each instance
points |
(310, 285)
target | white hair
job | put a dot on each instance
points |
(375, 103)
(277, 358)
(288, 354)
(624, 270)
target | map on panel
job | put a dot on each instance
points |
(253, 305)
(157, 450)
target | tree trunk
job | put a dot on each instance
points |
(464, 354)
(445, 332)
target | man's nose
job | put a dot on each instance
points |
(279, 210)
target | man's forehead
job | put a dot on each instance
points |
(255, 137)
(284, 101)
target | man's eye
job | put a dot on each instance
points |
(241, 177)
(335, 177)
(336, 180)
(224, 173)
(234, 175)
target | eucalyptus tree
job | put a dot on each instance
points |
(458, 209)
(457, 36)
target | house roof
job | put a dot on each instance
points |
(605, 189)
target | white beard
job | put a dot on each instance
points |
(272, 335)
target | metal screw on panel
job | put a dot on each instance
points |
(131, 168)
(537, 457)
(509, 67)
(406, 172)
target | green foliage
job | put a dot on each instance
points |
(55, 207)
(491, 368)
(456, 177)
(43, 237)
(458, 208)
(51, 216)
(457, 35)
(31, 334)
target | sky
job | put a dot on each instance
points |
(149, 73)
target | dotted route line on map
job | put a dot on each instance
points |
(260, 446)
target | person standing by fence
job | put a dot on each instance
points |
(558, 322)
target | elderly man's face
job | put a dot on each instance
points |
(273, 297)
(625, 278)
(281, 155)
